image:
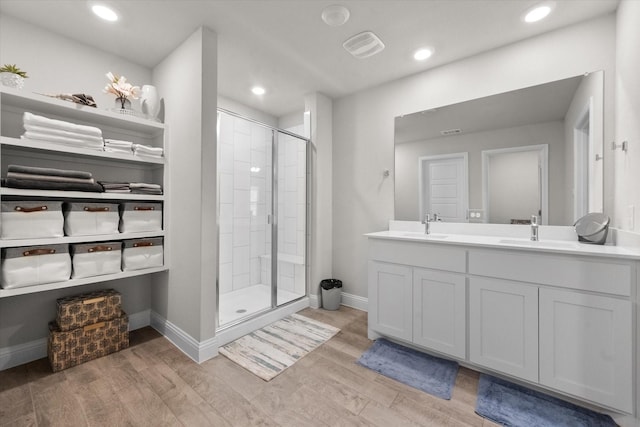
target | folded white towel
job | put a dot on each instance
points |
(33, 119)
(110, 149)
(118, 143)
(61, 133)
(75, 142)
(145, 149)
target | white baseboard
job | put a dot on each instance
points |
(20, 354)
(139, 320)
(348, 300)
(314, 301)
(355, 301)
(198, 351)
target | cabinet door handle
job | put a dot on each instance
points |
(32, 209)
(101, 248)
(144, 208)
(142, 244)
(96, 209)
(39, 252)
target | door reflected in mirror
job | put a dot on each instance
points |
(502, 158)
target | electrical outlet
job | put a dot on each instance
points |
(631, 214)
(476, 215)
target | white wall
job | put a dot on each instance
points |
(363, 124)
(627, 111)
(57, 64)
(188, 298)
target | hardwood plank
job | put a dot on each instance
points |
(57, 405)
(238, 378)
(145, 407)
(371, 389)
(382, 416)
(101, 405)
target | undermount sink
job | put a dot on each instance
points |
(544, 243)
(426, 236)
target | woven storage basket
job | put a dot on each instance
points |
(70, 348)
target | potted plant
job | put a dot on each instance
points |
(122, 89)
(12, 76)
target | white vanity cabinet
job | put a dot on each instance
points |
(412, 301)
(563, 320)
(503, 326)
(439, 311)
(391, 299)
(586, 346)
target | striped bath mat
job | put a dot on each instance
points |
(269, 351)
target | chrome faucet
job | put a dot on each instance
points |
(427, 223)
(534, 228)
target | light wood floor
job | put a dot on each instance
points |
(154, 384)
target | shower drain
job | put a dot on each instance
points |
(242, 310)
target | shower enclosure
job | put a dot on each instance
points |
(262, 206)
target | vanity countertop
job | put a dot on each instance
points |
(569, 247)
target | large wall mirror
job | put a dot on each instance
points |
(506, 157)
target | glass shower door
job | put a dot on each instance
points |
(291, 212)
(245, 207)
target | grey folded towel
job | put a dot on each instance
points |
(35, 184)
(49, 171)
(52, 178)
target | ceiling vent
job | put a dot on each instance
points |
(363, 45)
(450, 132)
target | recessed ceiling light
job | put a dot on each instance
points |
(104, 12)
(335, 15)
(422, 54)
(538, 12)
(257, 90)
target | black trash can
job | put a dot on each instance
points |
(331, 293)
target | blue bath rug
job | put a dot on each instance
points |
(516, 406)
(419, 370)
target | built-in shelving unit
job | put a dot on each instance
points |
(105, 166)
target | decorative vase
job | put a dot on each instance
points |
(123, 104)
(12, 80)
(149, 101)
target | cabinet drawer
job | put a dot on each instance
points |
(418, 254)
(584, 273)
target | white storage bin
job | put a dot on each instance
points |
(32, 219)
(84, 219)
(35, 265)
(136, 217)
(95, 259)
(142, 253)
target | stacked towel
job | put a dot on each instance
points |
(144, 188)
(146, 151)
(50, 179)
(115, 187)
(130, 187)
(41, 128)
(118, 146)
